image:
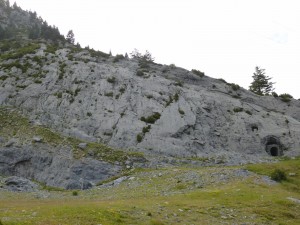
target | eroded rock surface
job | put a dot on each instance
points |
(54, 167)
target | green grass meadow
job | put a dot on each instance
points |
(156, 200)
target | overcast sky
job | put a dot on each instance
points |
(223, 38)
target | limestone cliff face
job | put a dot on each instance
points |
(146, 106)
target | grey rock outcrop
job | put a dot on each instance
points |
(20, 184)
(54, 167)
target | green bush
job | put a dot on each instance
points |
(98, 54)
(37, 59)
(235, 87)
(77, 90)
(198, 73)
(181, 111)
(71, 100)
(238, 109)
(275, 94)
(17, 65)
(143, 64)
(176, 97)
(151, 119)
(70, 57)
(111, 80)
(118, 58)
(179, 83)
(21, 86)
(62, 71)
(248, 112)
(146, 129)
(75, 193)
(51, 49)
(285, 97)
(278, 175)
(140, 73)
(59, 95)
(5, 46)
(29, 49)
(38, 81)
(139, 138)
(222, 80)
(169, 101)
(89, 114)
(109, 94)
(3, 78)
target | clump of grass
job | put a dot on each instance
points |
(278, 175)
(75, 193)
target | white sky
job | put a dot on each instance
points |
(223, 38)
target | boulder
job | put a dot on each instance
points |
(20, 184)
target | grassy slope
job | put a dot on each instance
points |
(162, 197)
(14, 125)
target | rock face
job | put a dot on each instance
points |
(20, 184)
(98, 99)
(59, 169)
(166, 110)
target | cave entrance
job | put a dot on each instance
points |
(274, 151)
(273, 146)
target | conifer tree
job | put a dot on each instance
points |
(70, 37)
(261, 84)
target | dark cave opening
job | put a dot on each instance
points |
(273, 146)
(274, 151)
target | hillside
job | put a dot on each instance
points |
(161, 113)
(142, 105)
(91, 138)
